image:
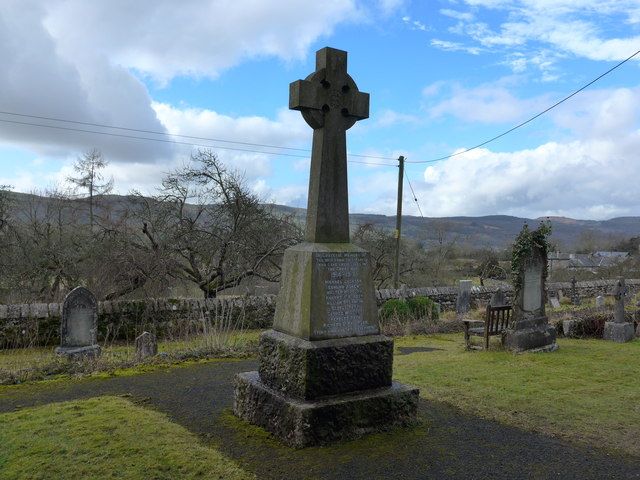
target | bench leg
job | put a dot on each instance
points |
(466, 336)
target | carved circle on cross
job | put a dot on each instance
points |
(335, 101)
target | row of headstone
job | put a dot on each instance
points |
(79, 329)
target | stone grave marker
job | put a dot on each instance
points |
(324, 369)
(575, 298)
(599, 301)
(463, 301)
(498, 299)
(619, 330)
(79, 325)
(529, 329)
(555, 303)
(146, 345)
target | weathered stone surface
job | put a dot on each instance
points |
(463, 301)
(326, 292)
(531, 334)
(146, 345)
(599, 301)
(618, 332)
(555, 303)
(302, 423)
(498, 299)
(79, 325)
(309, 370)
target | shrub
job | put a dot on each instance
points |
(394, 308)
(421, 307)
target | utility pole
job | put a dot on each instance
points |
(396, 272)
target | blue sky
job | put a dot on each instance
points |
(443, 75)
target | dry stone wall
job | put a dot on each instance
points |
(39, 323)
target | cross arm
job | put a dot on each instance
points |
(303, 94)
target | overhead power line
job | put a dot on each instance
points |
(156, 132)
(415, 198)
(177, 142)
(532, 118)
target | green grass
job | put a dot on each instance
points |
(104, 437)
(587, 391)
(31, 364)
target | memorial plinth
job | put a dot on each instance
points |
(325, 372)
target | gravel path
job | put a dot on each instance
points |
(446, 444)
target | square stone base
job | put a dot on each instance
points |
(79, 353)
(300, 423)
(308, 370)
(533, 334)
(618, 332)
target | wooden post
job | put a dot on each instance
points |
(396, 272)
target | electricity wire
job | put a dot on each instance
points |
(532, 118)
(415, 198)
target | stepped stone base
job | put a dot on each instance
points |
(618, 332)
(300, 423)
(534, 334)
(79, 353)
(307, 370)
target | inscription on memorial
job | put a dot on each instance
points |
(342, 273)
(532, 296)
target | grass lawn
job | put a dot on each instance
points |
(587, 391)
(104, 437)
(26, 364)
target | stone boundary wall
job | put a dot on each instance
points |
(39, 323)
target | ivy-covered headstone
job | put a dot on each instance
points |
(529, 329)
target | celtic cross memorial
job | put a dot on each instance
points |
(324, 369)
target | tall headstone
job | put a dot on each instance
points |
(498, 299)
(79, 326)
(619, 330)
(529, 329)
(324, 369)
(463, 300)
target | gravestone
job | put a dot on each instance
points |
(599, 301)
(619, 330)
(79, 325)
(498, 299)
(575, 298)
(529, 329)
(555, 303)
(463, 301)
(146, 345)
(324, 369)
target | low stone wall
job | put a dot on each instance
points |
(39, 323)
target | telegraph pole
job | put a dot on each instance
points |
(396, 273)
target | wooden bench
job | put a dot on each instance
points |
(496, 321)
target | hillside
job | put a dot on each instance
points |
(492, 231)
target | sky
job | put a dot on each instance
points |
(443, 76)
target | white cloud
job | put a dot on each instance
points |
(454, 46)
(489, 103)
(200, 37)
(566, 26)
(466, 16)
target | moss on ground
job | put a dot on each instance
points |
(104, 437)
(587, 391)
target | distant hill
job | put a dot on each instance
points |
(491, 231)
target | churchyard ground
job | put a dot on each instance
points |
(584, 394)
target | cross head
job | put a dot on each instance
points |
(330, 103)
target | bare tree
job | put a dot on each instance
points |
(89, 176)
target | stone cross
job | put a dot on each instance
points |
(575, 299)
(619, 293)
(330, 103)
